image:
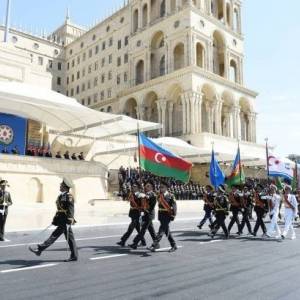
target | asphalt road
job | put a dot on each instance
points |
(245, 267)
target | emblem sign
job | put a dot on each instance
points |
(6, 135)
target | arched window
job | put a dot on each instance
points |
(217, 9)
(139, 72)
(228, 14)
(135, 20)
(163, 8)
(233, 71)
(235, 20)
(157, 52)
(200, 55)
(178, 54)
(145, 15)
(162, 66)
(218, 54)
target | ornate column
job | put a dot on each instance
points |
(140, 17)
(199, 108)
(170, 111)
(209, 112)
(148, 64)
(168, 7)
(148, 13)
(224, 12)
(184, 114)
(226, 63)
(158, 111)
(236, 122)
(217, 108)
(163, 105)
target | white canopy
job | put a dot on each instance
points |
(64, 114)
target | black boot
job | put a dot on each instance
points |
(173, 249)
(36, 251)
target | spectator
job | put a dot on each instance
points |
(67, 155)
(4, 150)
(15, 150)
(74, 157)
(80, 156)
(58, 155)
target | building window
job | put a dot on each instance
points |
(110, 42)
(89, 100)
(73, 63)
(73, 77)
(126, 40)
(90, 53)
(110, 59)
(68, 80)
(102, 95)
(89, 85)
(82, 45)
(58, 81)
(40, 60)
(118, 79)
(108, 28)
(84, 56)
(125, 58)
(83, 87)
(97, 49)
(68, 66)
(90, 69)
(78, 75)
(103, 62)
(95, 98)
(77, 89)
(82, 101)
(95, 81)
(78, 60)
(96, 66)
(94, 37)
(109, 75)
(83, 72)
(102, 78)
(119, 44)
(50, 64)
(109, 93)
(125, 77)
(72, 92)
(59, 66)
(119, 61)
(103, 46)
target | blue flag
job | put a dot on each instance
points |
(216, 174)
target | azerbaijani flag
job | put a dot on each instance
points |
(237, 176)
(162, 162)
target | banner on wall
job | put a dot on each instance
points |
(13, 132)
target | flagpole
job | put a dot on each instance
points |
(240, 162)
(7, 22)
(214, 166)
(296, 175)
(139, 144)
(267, 158)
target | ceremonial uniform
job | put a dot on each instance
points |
(275, 203)
(63, 219)
(260, 210)
(290, 212)
(148, 209)
(235, 205)
(208, 208)
(246, 206)
(167, 210)
(134, 214)
(5, 201)
(221, 211)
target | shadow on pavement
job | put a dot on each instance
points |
(21, 263)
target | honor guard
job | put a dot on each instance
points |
(260, 208)
(63, 219)
(235, 206)
(135, 201)
(208, 199)
(5, 202)
(221, 211)
(167, 210)
(290, 211)
(148, 211)
(246, 206)
(274, 204)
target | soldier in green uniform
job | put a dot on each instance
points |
(63, 219)
(167, 210)
(5, 201)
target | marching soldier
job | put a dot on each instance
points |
(63, 219)
(5, 201)
(274, 211)
(290, 212)
(260, 210)
(148, 208)
(235, 205)
(208, 198)
(221, 211)
(167, 210)
(246, 206)
(135, 199)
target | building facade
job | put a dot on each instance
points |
(177, 62)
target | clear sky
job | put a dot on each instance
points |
(271, 29)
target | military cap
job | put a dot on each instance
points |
(67, 183)
(4, 182)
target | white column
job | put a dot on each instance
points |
(200, 99)
(184, 117)
(163, 106)
(170, 110)
(192, 99)
(236, 122)
(209, 112)
(168, 7)
(140, 20)
(149, 13)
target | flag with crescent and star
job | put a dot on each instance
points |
(216, 174)
(280, 168)
(162, 162)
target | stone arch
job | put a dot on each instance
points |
(200, 54)
(157, 53)
(245, 110)
(145, 15)
(130, 108)
(219, 53)
(174, 115)
(233, 71)
(209, 93)
(178, 56)
(109, 109)
(150, 106)
(35, 190)
(139, 72)
(226, 114)
(135, 21)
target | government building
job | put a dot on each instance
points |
(174, 62)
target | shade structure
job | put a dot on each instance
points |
(64, 115)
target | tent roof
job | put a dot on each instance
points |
(64, 114)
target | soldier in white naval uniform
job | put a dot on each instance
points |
(274, 211)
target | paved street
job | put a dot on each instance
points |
(248, 268)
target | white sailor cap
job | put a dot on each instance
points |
(67, 182)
